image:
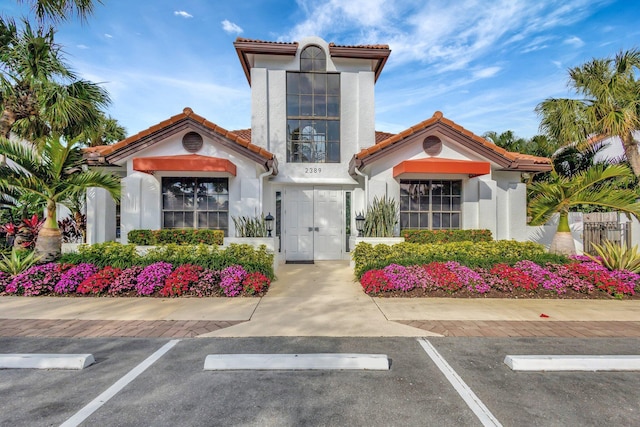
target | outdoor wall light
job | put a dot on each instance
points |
(360, 224)
(269, 220)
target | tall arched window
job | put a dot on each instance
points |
(313, 110)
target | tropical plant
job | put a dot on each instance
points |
(617, 257)
(250, 226)
(59, 10)
(507, 140)
(52, 173)
(381, 218)
(597, 186)
(105, 131)
(39, 94)
(609, 104)
(18, 261)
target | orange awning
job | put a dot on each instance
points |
(184, 163)
(445, 166)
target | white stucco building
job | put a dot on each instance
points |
(312, 158)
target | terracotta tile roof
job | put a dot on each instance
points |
(362, 46)
(187, 113)
(509, 160)
(243, 133)
(381, 136)
(248, 48)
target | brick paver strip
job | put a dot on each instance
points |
(109, 328)
(485, 328)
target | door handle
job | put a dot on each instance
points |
(314, 228)
(317, 228)
(310, 228)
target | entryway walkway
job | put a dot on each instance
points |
(320, 299)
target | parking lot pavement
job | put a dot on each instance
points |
(175, 390)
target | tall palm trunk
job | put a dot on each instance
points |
(49, 238)
(562, 242)
(632, 153)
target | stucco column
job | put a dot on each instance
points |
(101, 216)
(487, 203)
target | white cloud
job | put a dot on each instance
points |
(574, 41)
(486, 72)
(107, 35)
(230, 27)
(82, 46)
(183, 14)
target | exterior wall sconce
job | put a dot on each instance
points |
(360, 224)
(269, 221)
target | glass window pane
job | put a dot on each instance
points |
(404, 200)
(456, 188)
(436, 203)
(414, 220)
(455, 203)
(306, 83)
(319, 106)
(333, 106)
(446, 220)
(306, 105)
(293, 81)
(320, 83)
(333, 130)
(293, 105)
(435, 221)
(455, 220)
(333, 84)
(404, 220)
(333, 152)
(424, 220)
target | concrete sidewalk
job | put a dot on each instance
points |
(320, 299)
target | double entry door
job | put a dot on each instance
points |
(313, 223)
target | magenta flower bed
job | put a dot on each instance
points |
(525, 278)
(158, 279)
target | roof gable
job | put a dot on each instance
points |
(108, 154)
(248, 48)
(506, 159)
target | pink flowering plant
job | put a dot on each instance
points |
(523, 278)
(207, 285)
(126, 281)
(71, 278)
(152, 278)
(231, 280)
(36, 280)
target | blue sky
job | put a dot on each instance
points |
(484, 64)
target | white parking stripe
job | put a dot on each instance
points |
(103, 398)
(475, 404)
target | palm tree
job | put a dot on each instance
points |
(599, 185)
(507, 140)
(105, 132)
(54, 173)
(39, 94)
(59, 10)
(610, 106)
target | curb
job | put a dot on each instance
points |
(572, 363)
(318, 361)
(45, 361)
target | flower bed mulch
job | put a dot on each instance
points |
(577, 280)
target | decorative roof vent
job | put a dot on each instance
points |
(432, 145)
(192, 142)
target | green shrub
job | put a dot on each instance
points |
(617, 257)
(470, 254)
(381, 218)
(181, 236)
(104, 254)
(445, 236)
(250, 226)
(207, 256)
(141, 237)
(18, 261)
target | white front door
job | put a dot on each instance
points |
(313, 223)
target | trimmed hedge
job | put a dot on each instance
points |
(470, 254)
(445, 236)
(182, 236)
(207, 256)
